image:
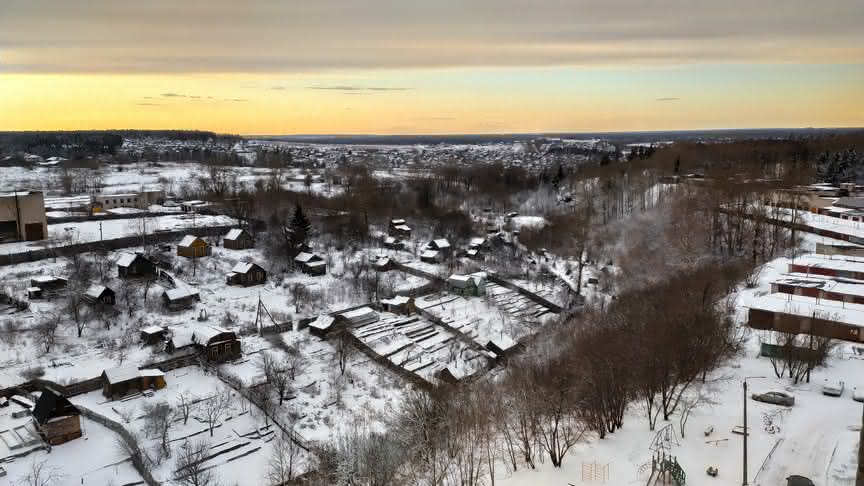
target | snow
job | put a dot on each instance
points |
(121, 374)
(152, 329)
(95, 291)
(233, 234)
(322, 322)
(362, 313)
(180, 293)
(810, 306)
(303, 257)
(242, 267)
(441, 243)
(126, 259)
(203, 334)
(187, 240)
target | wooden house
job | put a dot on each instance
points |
(246, 274)
(153, 335)
(134, 265)
(321, 325)
(180, 298)
(430, 256)
(48, 283)
(467, 285)
(357, 317)
(216, 344)
(807, 315)
(193, 247)
(57, 420)
(99, 294)
(124, 380)
(441, 245)
(310, 263)
(393, 243)
(238, 239)
(399, 304)
(399, 229)
(384, 264)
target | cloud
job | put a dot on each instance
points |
(667, 99)
(358, 90)
(149, 104)
(99, 36)
(172, 95)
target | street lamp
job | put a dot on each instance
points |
(746, 432)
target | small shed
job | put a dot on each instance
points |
(393, 243)
(310, 263)
(441, 244)
(321, 325)
(57, 420)
(430, 256)
(468, 285)
(124, 380)
(99, 294)
(217, 344)
(399, 229)
(34, 293)
(133, 265)
(399, 305)
(193, 247)
(152, 378)
(358, 317)
(238, 239)
(246, 274)
(180, 298)
(48, 283)
(384, 264)
(153, 335)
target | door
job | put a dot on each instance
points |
(34, 231)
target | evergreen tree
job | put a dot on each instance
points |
(300, 227)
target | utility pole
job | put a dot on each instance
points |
(744, 474)
(860, 479)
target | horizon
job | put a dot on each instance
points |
(384, 67)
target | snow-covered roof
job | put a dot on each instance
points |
(242, 267)
(398, 300)
(389, 240)
(441, 243)
(181, 337)
(319, 263)
(503, 342)
(835, 263)
(322, 322)
(121, 374)
(403, 227)
(397, 222)
(202, 335)
(429, 254)
(45, 278)
(233, 234)
(180, 293)
(382, 262)
(802, 306)
(460, 281)
(151, 372)
(305, 257)
(95, 291)
(152, 329)
(476, 241)
(126, 259)
(188, 240)
(359, 314)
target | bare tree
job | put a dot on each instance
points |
(275, 373)
(158, 418)
(41, 474)
(46, 331)
(190, 469)
(187, 405)
(282, 466)
(344, 351)
(215, 408)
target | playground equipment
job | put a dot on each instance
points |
(666, 471)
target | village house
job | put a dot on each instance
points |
(399, 229)
(321, 325)
(430, 256)
(238, 239)
(441, 245)
(152, 335)
(399, 304)
(246, 274)
(216, 344)
(99, 294)
(193, 247)
(384, 264)
(468, 285)
(393, 243)
(180, 298)
(124, 380)
(57, 420)
(133, 265)
(310, 263)
(45, 285)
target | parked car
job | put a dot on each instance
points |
(775, 398)
(858, 395)
(833, 388)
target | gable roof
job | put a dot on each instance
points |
(245, 267)
(121, 374)
(305, 257)
(180, 293)
(441, 243)
(95, 291)
(50, 405)
(234, 234)
(202, 335)
(322, 322)
(127, 259)
(188, 240)
(429, 254)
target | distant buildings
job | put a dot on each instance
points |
(22, 216)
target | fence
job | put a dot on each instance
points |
(527, 293)
(111, 244)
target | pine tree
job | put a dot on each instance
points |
(300, 227)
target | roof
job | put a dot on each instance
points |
(797, 305)
(188, 240)
(460, 281)
(151, 372)
(181, 337)
(851, 202)
(359, 314)
(121, 374)
(403, 227)
(382, 262)
(397, 222)
(322, 322)
(389, 240)
(244, 267)
(46, 278)
(429, 254)
(317, 263)
(126, 259)
(476, 241)
(95, 291)
(204, 334)
(441, 243)
(50, 405)
(234, 234)
(180, 293)
(833, 263)
(398, 300)
(152, 329)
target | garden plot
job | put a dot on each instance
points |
(238, 448)
(502, 315)
(420, 346)
(323, 401)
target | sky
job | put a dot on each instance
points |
(257, 67)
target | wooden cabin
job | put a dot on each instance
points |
(125, 380)
(246, 274)
(57, 420)
(99, 294)
(217, 344)
(430, 256)
(238, 239)
(134, 265)
(399, 229)
(193, 247)
(468, 285)
(48, 283)
(441, 245)
(310, 263)
(399, 305)
(153, 335)
(180, 298)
